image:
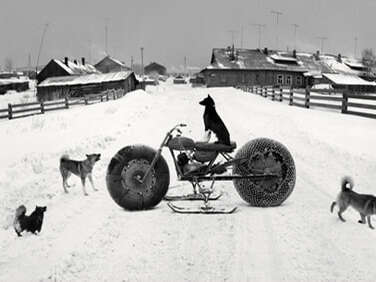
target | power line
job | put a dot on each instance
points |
(232, 31)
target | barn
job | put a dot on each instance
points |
(78, 86)
(155, 69)
(65, 68)
(234, 67)
(109, 64)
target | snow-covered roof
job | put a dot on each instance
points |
(13, 80)
(85, 79)
(73, 68)
(347, 79)
(278, 57)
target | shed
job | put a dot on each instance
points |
(109, 64)
(79, 86)
(349, 82)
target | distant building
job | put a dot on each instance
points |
(79, 86)
(109, 64)
(155, 68)
(57, 68)
(349, 82)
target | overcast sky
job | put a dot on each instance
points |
(171, 29)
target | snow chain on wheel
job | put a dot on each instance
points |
(263, 155)
(125, 171)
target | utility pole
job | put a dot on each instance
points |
(241, 36)
(277, 14)
(185, 65)
(322, 39)
(259, 26)
(295, 27)
(142, 62)
(131, 63)
(40, 46)
(355, 46)
(106, 35)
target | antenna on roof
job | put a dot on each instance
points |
(355, 46)
(277, 14)
(106, 35)
(232, 31)
(295, 27)
(259, 33)
(40, 46)
(322, 39)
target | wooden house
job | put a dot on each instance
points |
(109, 64)
(79, 86)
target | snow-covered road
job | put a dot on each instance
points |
(92, 239)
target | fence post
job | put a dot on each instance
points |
(86, 101)
(291, 99)
(307, 93)
(101, 98)
(10, 112)
(107, 98)
(273, 94)
(42, 107)
(345, 100)
(281, 94)
(66, 102)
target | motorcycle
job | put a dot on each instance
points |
(262, 171)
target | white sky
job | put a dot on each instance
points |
(171, 29)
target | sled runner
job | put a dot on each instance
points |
(262, 171)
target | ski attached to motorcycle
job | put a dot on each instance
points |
(202, 209)
(192, 197)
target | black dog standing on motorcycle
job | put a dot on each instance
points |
(213, 122)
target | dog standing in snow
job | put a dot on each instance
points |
(32, 223)
(363, 203)
(82, 169)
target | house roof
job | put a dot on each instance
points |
(154, 64)
(76, 69)
(85, 79)
(347, 79)
(115, 61)
(253, 59)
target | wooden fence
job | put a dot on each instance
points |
(361, 104)
(36, 108)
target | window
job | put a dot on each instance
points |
(288, 80)
(298, 80)
(280, 79)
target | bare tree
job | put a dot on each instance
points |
(8, 64)
(368, 57)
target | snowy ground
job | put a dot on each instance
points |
(92, 239)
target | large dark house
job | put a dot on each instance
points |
(65, 68)
(79, 86)
(109, 64)
(155, 68)
(234, 67)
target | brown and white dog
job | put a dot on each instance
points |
(82, 169)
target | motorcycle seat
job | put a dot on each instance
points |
(215, 147)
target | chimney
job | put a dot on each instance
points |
(75, 61)
(339, 58)
(317, 55)
(294, 53)
(83, 61)
(266, 51)
(66, 61)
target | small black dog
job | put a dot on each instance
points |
(213, 122)
(31, 223)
